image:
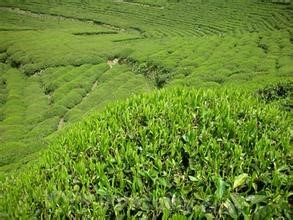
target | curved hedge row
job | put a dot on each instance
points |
(171, 153)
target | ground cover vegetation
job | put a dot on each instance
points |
(213, 139)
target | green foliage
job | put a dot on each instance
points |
(174, 154)
(275, 92)
(169, 153)
(152, 71)
(282, 92)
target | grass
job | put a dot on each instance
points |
(64, 62)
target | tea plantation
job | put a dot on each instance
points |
(143, 109)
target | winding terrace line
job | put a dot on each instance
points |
(140, 4)
(95, 33)
(37, 72)
(60, 17)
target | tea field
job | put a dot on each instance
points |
(168, 109)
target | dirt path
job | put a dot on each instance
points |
(113, 62)
(92, 89)
(61, 124)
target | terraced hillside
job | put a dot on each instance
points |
(171, 18)
(54, 56)
(63, 60)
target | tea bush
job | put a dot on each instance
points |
(194, 153)
(171, 154)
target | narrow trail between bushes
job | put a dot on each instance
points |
(113, 62)
(61, 124)
(140, 4)
(92, 89)
(49, 97)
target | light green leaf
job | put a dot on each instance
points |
(192, 178)
(231, 209)
(165, 202)
(240, 180)
(220, 188)
(254, 199)
(239, 202)
(209, 216)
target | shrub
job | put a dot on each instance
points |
(56, 110)
(44, 128)
(71, 99)
(201, 154)
(11, 151)
(282, 92)
(3, 57)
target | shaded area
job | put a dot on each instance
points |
(95, 33)
(280, 92)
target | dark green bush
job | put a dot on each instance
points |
(282, 92)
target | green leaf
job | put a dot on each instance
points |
(240, 180)
(239, 202)
(263, 213)
(76, 188)
(178, 217)
(220, 188)
(165, 202)
(118, 208)
(185, 138)
(192, 178)
(209, 216)
(231, 209)
(254, 199)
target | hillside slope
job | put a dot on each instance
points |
(61, 60)
(201, 145)
(171, 153)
